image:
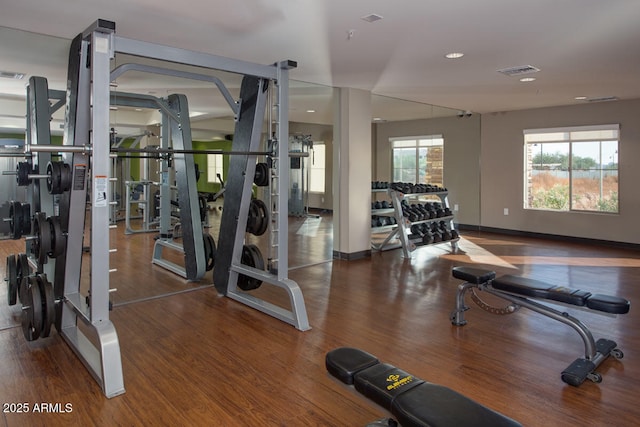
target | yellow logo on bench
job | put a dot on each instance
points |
(397, 382)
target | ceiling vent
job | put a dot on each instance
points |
(519, 70)
(603, 99)
(11, 75)
(373, 17)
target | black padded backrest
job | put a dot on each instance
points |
(435, 405)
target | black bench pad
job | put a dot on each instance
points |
(537, 289)
(608, 304)
(473, 275)
(412, 401)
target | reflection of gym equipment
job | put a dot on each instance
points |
(300, 173)
(140, 194)
(521, 292)
(412, 401)
(121, 164)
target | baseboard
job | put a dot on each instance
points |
(352, 256)
(584, 240)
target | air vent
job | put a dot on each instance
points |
(603, 99)
(12, 75)
(373, 17)
(519, 70)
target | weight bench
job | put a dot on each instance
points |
(412, 401)
(522, 292)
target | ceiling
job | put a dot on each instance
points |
(581, 47)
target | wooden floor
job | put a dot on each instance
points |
(196, 358)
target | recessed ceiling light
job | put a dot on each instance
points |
(527, 79)
(454, 55)
(580, 98)
(311, 111)
(372, 17)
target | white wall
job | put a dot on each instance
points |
(502, 170)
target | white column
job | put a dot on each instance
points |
(352, 174)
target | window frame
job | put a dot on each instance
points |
(572, 136)
(416, 143)
(310, 165)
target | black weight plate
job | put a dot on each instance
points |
(32, 311)
(26, 218)
(263, 216)
(247, 283)
(23, 270)
(65, 177)
(210, 251)
(261, 176)
(49, 309)
(54, 176)
(23, 169)
(252, 218)
(43, 231)
(16, 218)
(12, 279)
(58, 240)
(23, 286)
(258, 259)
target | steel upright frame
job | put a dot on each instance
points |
(87, 149)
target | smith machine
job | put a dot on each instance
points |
(78, 180)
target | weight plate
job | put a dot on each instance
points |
(252, 218)
(65, 177)
(247, 283)
(42, 245)
(26, 218)
(32, 311)
(263, 223)
(209, 250)
(23, 270)
(258, 259)
(16, 219)
(23, 169)
(58, 240)
(49, 309)
(261, 176)
(12, 279)
(53, 178)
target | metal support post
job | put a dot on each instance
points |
(87, 122)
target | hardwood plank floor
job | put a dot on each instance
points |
(196, 358)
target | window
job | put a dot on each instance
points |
(418, 159)
(214, 167)
(572, 168)
(316, 161)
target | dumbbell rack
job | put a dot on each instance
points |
(399, 230)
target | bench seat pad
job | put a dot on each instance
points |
(412, 401)
(538, 289)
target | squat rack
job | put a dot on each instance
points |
(86, 148)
